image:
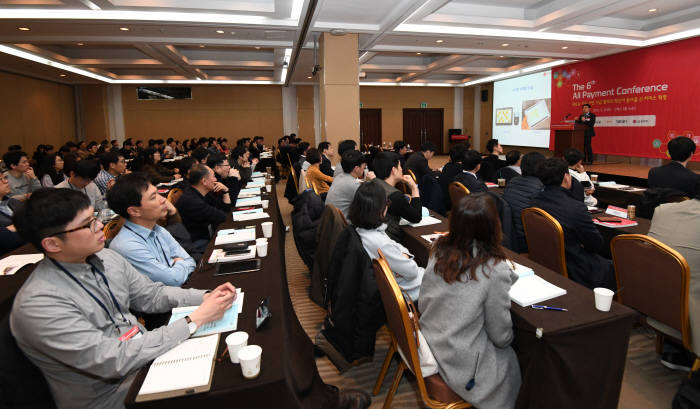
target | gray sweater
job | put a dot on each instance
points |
(468, 327)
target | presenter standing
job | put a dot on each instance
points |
(587, 118)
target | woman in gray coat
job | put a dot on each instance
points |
(465, 307)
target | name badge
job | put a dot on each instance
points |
(133, 332)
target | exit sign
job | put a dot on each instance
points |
(423, 104)
(360, 104)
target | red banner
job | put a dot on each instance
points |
(641, 98)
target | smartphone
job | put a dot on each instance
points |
(262, 314)
(606, 219)
(236, 246)
(236, 252)
(237, 267)
(586, 184)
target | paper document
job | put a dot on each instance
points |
(519, 269)
(228, 322)
(240, 212)
(425, 221)
(249, 201)
(185, 369)
(172, 182)
(219, 255)
(247, 191)
(257, 174)
(234, 236)
(431, 237)
(532, 290)
(11, 264)
(250, 216)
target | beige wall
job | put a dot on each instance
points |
(34, 112)
(230, 111)
(94, 114)
(392, 101)
(305, 113)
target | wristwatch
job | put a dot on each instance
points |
(191, 325)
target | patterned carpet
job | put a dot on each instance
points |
(646, 383)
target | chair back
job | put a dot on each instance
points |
(294, 177)
(111, 229)
(174, 195)
(413, 175)
(655, 278)
(457, 191)
(342, 216)
(545, 239)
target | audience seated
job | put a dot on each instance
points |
(200, 154)
(342, 190)
(471, 163)
(50, 171)
(326, 151)
(231, 178)
(585, 188)
(451, 170)
(21, 175)
(343, 146)
(257, 147)
(302, 162)
(491, 163)
(9, 239)
(239, 161)
(465, 307)
(150, 248)
(148, 162)
(113, 165)
(582, 240)
(81, 175)
(387, 169)
(675, 174)
(367, 214)
(80, 335)
(127, 150)
(678, 226)
(512, 168)
(401, 149)
(418, 161)
(201, 213)
(314, 175)
(519, 193)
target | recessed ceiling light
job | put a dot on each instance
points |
(220, 31)
(419, 53)
(201, 46)
(233, 33)
(309, 77)
(79, 44)
(23, 29)
(501, 56)
(257, 48)
(61, 75)
(439, 41)
(564, 47)
(124, 28)
(505, 45)
(652, 10)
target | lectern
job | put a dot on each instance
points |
(568, 135)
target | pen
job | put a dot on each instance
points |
(544, 307)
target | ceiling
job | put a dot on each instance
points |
(406, 42)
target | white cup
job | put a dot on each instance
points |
(261, 246)
(603, 298)
(267, 229)
(265, 203)
(268, 188)
(594, 178)
(249, 357)
(235, 342)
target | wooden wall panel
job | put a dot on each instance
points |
(305, 113)
(93, 105)
(34, 112)
(230, 111)
(468, 112)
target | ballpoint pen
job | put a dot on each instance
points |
(544, 307)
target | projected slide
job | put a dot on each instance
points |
(522, 110)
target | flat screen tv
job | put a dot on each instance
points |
(164, 92)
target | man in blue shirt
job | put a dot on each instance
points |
(150, 248)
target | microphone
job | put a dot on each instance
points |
(567, 116)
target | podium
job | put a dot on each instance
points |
(568, 135)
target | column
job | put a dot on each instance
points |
(339, 88)
(115, 113)
(476, 133)
(289, 110)
(458, 109)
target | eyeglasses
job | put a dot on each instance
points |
(3, 178)
(91, 224)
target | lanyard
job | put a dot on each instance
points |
(97, 300)
(146, 241)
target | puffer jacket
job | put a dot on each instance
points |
(306, 217)
(518, 194)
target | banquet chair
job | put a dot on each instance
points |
(545, 239)
(174, 195)
(457, 191)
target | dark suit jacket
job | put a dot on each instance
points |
(418, 164)
(6, 219)
(675, 176)
(590, 131)
(506, 173)
(489, 167)
(471, 182)
(325, 166)
(201, 214)
(582, 239)
(449, 172)
(254, 151)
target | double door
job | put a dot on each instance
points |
(370, 126)
(422, 125)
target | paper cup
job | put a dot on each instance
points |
(501, 182)
(268, 169)
(249, 357)
(265, 203)
(268, 188)
(267, 229)
(235, 342)
(594, 178)
(603, 298)
(261, 246)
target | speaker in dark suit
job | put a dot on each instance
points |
(587, 118)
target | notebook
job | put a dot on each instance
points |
(249, 201)
(229, 322)
(185, 369)
(250, 216)
(229, 236)
(11, 264)
(425, 221)
(533, 289)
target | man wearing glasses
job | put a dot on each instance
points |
(9, 239)
(72, 316)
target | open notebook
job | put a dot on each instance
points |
(185, 369)
(532, 289)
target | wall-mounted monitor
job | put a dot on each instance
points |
(164, 92)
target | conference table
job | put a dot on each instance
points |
(288, 376)
(571, 360)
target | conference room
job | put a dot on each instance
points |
(249, 204)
